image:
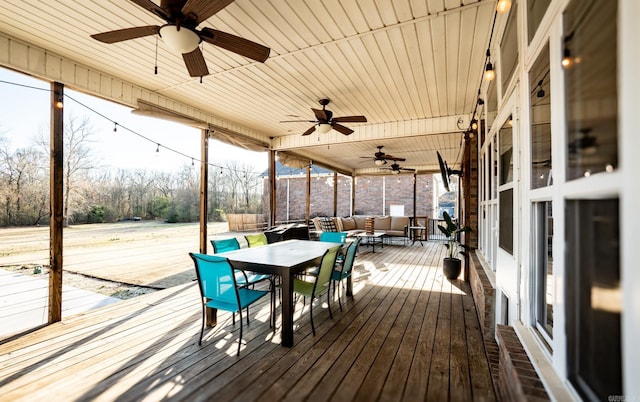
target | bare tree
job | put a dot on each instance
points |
(78, 160)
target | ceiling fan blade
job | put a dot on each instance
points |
(393, 158)
(120, 35)
(297, 121)
(342, 129)
(195, 63)
(350, 119)
(152, 8)
(320, 114)
(310, 130)
(203, 9)
(235, 44)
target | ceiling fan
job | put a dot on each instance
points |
(396, 169)
(325, 121)
(446, 171)
(180, 33)
(380, 158)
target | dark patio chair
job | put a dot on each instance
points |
(338, 275)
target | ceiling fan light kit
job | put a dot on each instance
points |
(180, 39)
(180, 32)
(324, 128)
(325, 121)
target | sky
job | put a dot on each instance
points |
(24, 116)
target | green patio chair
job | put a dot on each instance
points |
(219, 290)
(338, 275)
(318, 284)
(256, 240)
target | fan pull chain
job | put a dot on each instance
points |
(155, 70)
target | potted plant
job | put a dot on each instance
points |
(451, 266)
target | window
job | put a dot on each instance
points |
(509, 48)
(594, 299)
(542, 264)
(590, 61)
(540, 112)
(506, 153)
(506, 220)
(535, 12)
(505, 196)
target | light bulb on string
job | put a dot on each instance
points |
(567, 61)
(503, 6)
(489, 73)
(115, 126)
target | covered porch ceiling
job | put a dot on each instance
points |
(412, 67)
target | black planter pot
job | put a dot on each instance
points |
(451, 267)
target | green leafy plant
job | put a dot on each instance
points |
(452, 230)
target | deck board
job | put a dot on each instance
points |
(408, 334)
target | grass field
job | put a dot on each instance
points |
(147, 253)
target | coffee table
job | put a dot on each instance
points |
(371, 239)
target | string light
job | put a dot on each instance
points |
(60, 104)
(503, 6)
(567, 61)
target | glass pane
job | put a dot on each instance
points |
(594, 297)
(509, 48)
(491, 104)
(506, 221)
(591, 87)
(540, 101)
(543, 266)
(506, 152)
(535, 12)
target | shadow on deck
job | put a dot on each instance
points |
(409, 334)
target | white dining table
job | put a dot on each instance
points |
(286, 259)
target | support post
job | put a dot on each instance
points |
(56, 223)
(204, 189)
(272, 188)
(353, 195)
(307, 212)
(335, 193)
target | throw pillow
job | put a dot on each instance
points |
(328, 225)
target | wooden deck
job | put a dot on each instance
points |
(409, 334)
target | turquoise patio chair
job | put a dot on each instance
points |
(334, 237)
(219, 290)
(223, 245)
(242, 277)
(256, 240)
(319, 284)
(338, 275)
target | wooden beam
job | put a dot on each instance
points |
(335, 193)
(56, 202)
(204, 189)
(307, 212)
(353, 195)
(272, 188)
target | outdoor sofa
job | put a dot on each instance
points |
(392, 226)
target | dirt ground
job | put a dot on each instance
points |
(122, 259)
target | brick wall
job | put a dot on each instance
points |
(398, 190)
(484, 296)
(517, 379)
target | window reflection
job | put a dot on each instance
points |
(506, 153)
(535, 12)
(590, 65)
(540, 101)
